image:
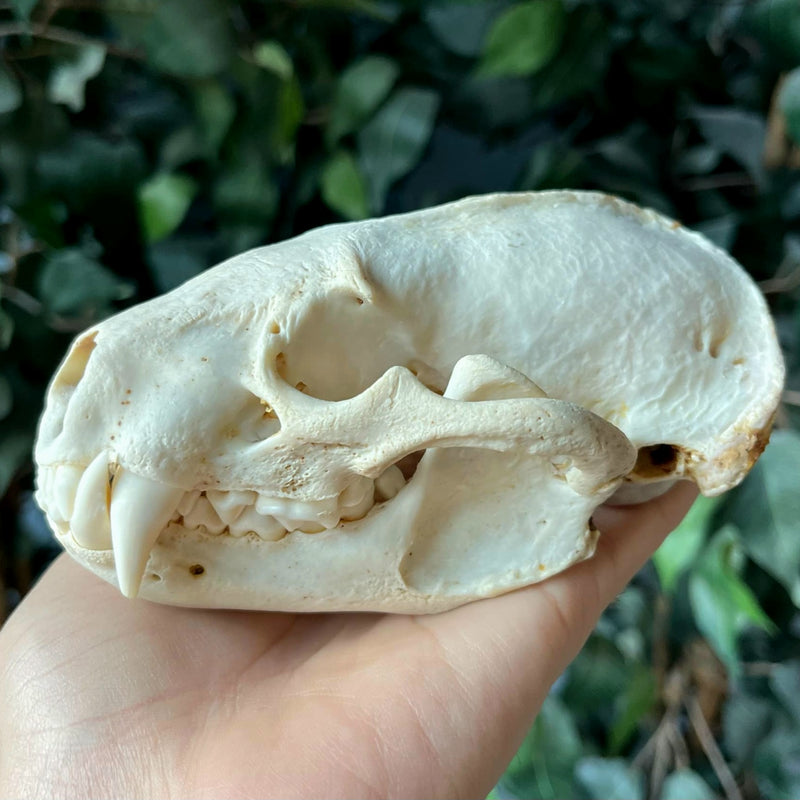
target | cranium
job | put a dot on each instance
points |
(249, 440)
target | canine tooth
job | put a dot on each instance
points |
(90, 523)
(187, 502)
(64, 488)
(229, 505)
(140, 508)
(389, 483)
(264, 526)
(203, 514)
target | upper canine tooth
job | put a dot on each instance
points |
(90, 523)
(203, 514)
(229, 505)
(64, 488)
(140, 509)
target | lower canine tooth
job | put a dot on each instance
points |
(90, 524)
(140, 509)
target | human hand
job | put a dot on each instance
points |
(104, 697)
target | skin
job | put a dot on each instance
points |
(105, 697)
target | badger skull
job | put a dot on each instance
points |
(248, 440)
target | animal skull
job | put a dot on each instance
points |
(249, 440)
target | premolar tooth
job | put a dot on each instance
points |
(64, 488)
(203, 514)
(90, 524)
(229, 505)
(187, 502)
(140, 509)
(389, 483)
(264, 526)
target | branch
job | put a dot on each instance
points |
(712, 751)
(65, 36)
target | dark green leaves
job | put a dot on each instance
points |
(187, 38)
(163, 202)
(10, 90)
(360, 90)
(394, 139)
(67, 82)
(603, 778)
(789, 102)
(343, 186)
(523, 39)
(767, 511)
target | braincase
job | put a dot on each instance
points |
(597, 301)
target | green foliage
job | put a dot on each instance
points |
(141, 142)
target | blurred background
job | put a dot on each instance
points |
(143, 141)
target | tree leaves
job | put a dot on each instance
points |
(361, 89)
(603, 778)
(722, 603)
(686, 785)
(523, 39)
(67, 82)
(10, 91)
(767, 511)
(789, 103)
(392, 141)
(343, 186)
(163, 203)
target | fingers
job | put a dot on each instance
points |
(507, 651)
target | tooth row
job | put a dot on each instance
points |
(126, 512)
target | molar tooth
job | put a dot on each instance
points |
(140, 508)
(90, 524)
(357, 499)
(229, 505)
(64, 487)
(389, 483)
(264, 526)
(323, 512)
(203, 514)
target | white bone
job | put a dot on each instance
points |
(302, 374)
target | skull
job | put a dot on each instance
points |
(348, 420)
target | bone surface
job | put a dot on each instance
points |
(409, 413)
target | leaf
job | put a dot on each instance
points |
(215, 110)
(777, 24)
(636, 701)
(74, 284)
(543, 767)
(67, 82)
(685, 784)
(163, 203)
(461, 26)
(766, 509)
(6, 330)
(785, 682)
(604, 778)
(271, 55)
(746, 720)
(186, 38)
(23, 9)
(597, 676)
(523, 39)
(393, 141)
(740, 134)
(291, 110)
(10, 91)
(789, 103)
(362, 87)
(777, 763)
(680, 549)
(343, 186)
(722, 604)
